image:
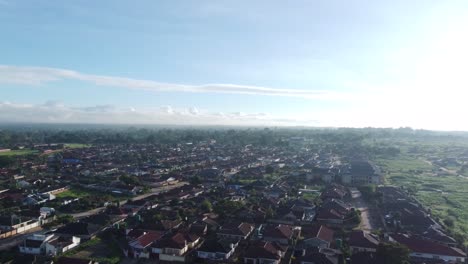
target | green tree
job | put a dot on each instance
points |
(392, 253)
(130, 180)
(206, 206)
(269, 169)
(195, 180)
(6, 161)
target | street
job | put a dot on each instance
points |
(154, 191)
(370, 220)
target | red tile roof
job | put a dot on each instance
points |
(362, 239)
(330, 214)
(266, 250)
(279, 231)
(179, 240)
(146, 239)
(242, 229)
(426, 246)
(318, 231)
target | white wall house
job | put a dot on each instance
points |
(58, 245)
(34, 244)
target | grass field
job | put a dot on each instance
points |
(18, 152)
(97, 250)
(83, 193)
(77, 145)
(75, 193)
(445, 195)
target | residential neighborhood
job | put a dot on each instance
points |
(208, 202)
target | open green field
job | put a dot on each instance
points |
(18, 152)
(75, 193)
(97, 250)
(84, 193)
(311, 196)
(444, 194)
(77, 145)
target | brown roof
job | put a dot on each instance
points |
(179, 240)
(330, 214)
(266, 250)
(61, 241)
(362, 239)
(279, 231)
(146, 239)
(242, 229)
(318, 231)
(426, 246)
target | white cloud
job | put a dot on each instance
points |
(56, 112)
(193, 111)
(43, 75)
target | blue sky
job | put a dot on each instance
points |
(316, 63)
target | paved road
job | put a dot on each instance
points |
(13, 241)
(154, 191)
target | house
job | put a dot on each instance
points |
(235, 231)
(426, 249)
(334, 191)
(315, 256)
(82, 230)
(34, 244)
(364, 258)
(254, 215)
(46, 212)
(23, 184)
(55, 190)
(436, 234)
(302, 205)
(318, 236)
(285, 215)
(58, 245)
(361, 172)
(162, 225)
(174, 248)
(330, 217)
(35, 199)
(211, 223)
(217, 249)
(261, 252)
(199, 228)
(361, 241)
(139, 245)
(334, 213)
(337, 205)
(281, 234)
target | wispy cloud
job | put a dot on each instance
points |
(57, 112)
(44, 75)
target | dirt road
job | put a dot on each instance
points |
(370, 219)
